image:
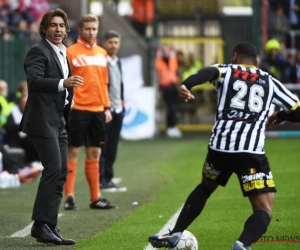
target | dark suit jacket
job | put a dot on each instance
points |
(45, 105)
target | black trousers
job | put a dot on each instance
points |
(170, 96)
(139, 27)
(53, 155)
(109, 151)
(30, 151)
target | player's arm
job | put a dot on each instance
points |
(279, 116)
(207, 74)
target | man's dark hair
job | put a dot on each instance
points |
(110, 34)
(247, 50)
(47, 19)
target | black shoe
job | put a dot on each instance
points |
(102, 204)
(70, 203)
(45, 235)
(111, 187)
(56, 232)
(166, 241)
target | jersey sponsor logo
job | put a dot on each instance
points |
(261, 81)
(257, 180)
(239, 115)
(256, 176)
(245, 75)
(84, 60)
(209, 171)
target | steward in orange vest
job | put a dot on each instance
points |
(143, 11)
(166, 66)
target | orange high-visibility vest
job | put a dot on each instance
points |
(90, 62)
(143, 11)
(167, 73)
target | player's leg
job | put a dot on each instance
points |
(190, 211)
(93, 142)
(257, 183)
(213, 175)
(194, 204)
(73, 153)
(216, 171)
(78, 123)
(256, 225)
(109, 153)
(92, 171)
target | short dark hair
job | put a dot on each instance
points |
(246, 49)
(47, 19)
(110, 34)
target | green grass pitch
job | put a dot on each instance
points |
(159, 174)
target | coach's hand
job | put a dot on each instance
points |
(73, 81)
(185, 94)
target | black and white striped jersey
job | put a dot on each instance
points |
(245, 94)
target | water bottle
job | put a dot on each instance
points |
(5, 179)
(16, 181)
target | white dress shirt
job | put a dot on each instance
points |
(62, 56)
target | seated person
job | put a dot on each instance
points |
(15, 139)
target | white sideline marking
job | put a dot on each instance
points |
(26, 230)
(170, 224)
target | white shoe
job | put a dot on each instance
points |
(37, 165)
(173, 132)
(239, 246)
(177, 132)
(169, 132)
(116, 180)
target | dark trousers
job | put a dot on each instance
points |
(170, 95)
(30, 151)
(53, 155)
(109, 151)
(139, 27)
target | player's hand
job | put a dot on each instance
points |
(108, 116)
(185, 94)
(273, 120)
(73, 81)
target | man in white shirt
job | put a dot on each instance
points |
(45, 119)
(112, 40)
